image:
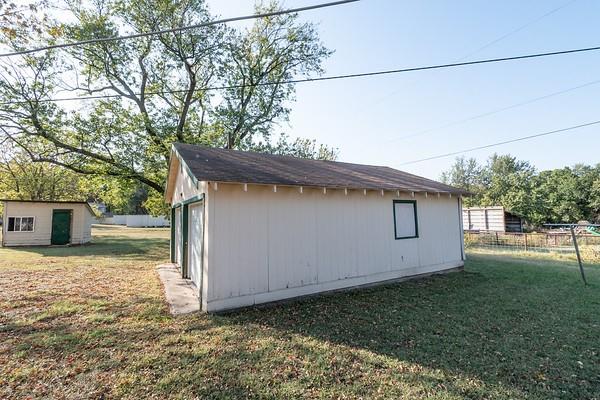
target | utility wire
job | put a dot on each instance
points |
(488, 113)
(178, 29)
(334, 77)
(491, 43)
(519, 29)
(487, 146)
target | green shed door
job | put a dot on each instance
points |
(61, 227)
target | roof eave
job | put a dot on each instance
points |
(90, 209)
(342, 187)
(172, 174)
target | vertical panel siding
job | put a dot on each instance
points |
(374, 236)
(335, 232)
(239, 265)
(260, 241)
(429, 246)
(292, 259)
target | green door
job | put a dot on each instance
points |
(61, 227)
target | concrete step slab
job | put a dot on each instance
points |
(181, 294)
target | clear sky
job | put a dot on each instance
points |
(366, 118)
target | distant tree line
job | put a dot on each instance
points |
(24, 180)
(563, 195)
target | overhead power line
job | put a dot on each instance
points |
(487, 146)
(496, 111)
(519, 29)
(334, 77)
(485, 46)
(178, 29)
(493, 42)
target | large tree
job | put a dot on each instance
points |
(508, 182)
(162, 87)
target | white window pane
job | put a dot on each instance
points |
(27, 224)
(406, 225)
(17, 224)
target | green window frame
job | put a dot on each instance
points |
(416, 221)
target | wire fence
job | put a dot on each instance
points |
(549, 242)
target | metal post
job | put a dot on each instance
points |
(578, 255)
(525, 242)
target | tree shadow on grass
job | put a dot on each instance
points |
(144, 352)
(537, 335)
(206, 357)
(495, 331)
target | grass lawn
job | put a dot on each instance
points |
(90, 322)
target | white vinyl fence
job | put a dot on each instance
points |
(133, 221)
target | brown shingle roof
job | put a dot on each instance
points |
(221, 165)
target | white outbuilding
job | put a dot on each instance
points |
(250, 228)
(44, 223)
(491, 219)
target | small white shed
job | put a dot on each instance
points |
(250, 228)
(44, 223)
(493, 219)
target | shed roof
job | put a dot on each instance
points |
(223, 165)
(49, 202)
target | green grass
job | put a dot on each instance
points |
(90, 322)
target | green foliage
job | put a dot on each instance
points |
(20, 178)
(155, 204)
(121, 196)
(561, 190)
(465, 174)
(507, 181)
(304, 148)
(557, 196)
(275, 50)
(24, 180)
(159, 87)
